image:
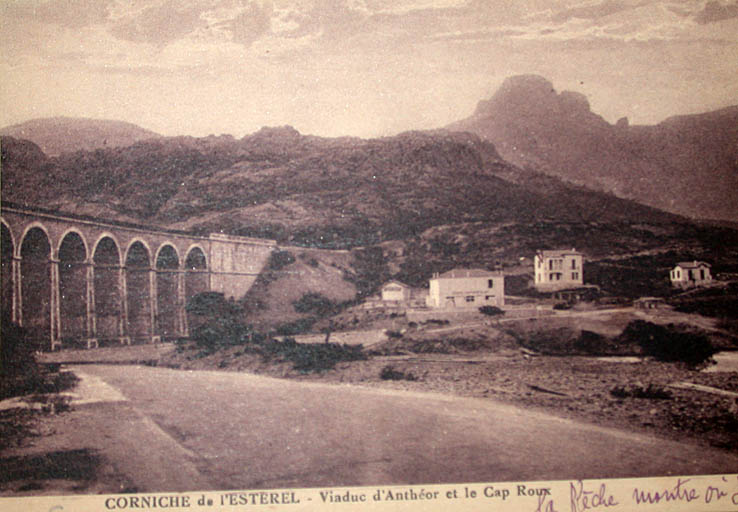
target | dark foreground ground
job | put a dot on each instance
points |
(133, 428)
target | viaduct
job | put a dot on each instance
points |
(70, 279)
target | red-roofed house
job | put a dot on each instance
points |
(466, 288)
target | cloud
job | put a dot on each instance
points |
(160, 25)
(715, 11)
(66, 13)
(592, 12)
(251, 24)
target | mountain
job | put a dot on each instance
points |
(304, 189)
(57, 135)
(686, 165)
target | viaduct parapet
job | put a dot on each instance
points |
(68, 278)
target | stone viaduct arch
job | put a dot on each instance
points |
(70, 279)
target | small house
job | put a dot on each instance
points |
(395, 291)
(466, 289)
(558, 270)
(690, 273)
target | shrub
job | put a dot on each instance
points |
(394, 334)
(670, 343)
(312, 357)
(314, 303)
(561, 306)
(19, 372)
(637, 390)
(299, 326)
(218, 322)
(491, 311)
(389, 373)
(280, 259)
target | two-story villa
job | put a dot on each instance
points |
(558, 270)
(466, 288)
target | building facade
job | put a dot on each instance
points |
(558, 270)
(690, 273)
(466, 289)
(395, 291)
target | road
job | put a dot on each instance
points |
(168, 430)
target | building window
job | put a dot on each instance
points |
(550, 264)
(573, 264)
(702, 274)
(490, 283)
(470, 298)
(575, 275)
(489, 297)
(679, 274)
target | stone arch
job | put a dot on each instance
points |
(31, 226)
(167, 291)
(36, 284)
(139, 286)
(72, 253)
(196, 272)
(116, 242)
(64, 236)
(7, 277)
(106, 283)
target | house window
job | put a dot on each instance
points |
(573, 264)
(702, 274)
(575, 275)
(550, 264)
(550, 277)
(690, 275)
(470, 298)
(490, 283)
(489, 297)
(679, 274)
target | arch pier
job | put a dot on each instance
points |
(70, 279)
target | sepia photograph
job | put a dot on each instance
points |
(291, 245)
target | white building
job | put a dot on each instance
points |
(690, 273)
(466, 288)
(395, 291)
(558, 270)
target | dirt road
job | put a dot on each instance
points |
(166, 430)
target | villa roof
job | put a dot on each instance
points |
(469, 272)
(557, 253)
(692, 264)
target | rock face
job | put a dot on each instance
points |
(686, 165)
(56, 135)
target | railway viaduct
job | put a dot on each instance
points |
(70, 279)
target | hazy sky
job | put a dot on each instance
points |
(355, 67)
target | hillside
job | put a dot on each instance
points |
(687, 164)
(57, 135)
(305, 190)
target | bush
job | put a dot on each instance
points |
(19, 372)
(389, 373)
(299, 326)
(638, 390)
(670, 343)
(562, 306)
(280, 259)
(491, 311)
(394, 334)
(217, 322)
(311, 357)
(314, 303)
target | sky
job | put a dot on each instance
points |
(362, 68)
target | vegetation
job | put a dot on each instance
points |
(669, 343)
(491, 311)
(311, 357)
(389, 373)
